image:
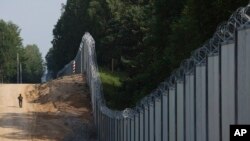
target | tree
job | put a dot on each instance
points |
(148, 39)
(33, 65)
(68, 33)
(10, 44)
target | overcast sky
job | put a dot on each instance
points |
(36, 18)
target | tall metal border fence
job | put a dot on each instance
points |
(208, 92)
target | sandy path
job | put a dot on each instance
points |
(59, 110)
(15, 123)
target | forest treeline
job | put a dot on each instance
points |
(29, 56)
(144, 39)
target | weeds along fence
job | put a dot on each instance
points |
(208, 92)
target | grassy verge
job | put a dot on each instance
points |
(112, 83)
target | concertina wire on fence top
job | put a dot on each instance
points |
(85, 61)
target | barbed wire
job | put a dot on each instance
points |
(225, 32)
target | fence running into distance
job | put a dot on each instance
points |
(198, 102)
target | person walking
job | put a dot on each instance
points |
(20, 99)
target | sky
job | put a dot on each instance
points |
(35, 18)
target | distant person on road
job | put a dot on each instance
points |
(20, 99)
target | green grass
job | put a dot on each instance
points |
(112, 83)
(110, 78)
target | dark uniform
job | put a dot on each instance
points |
(20, 99)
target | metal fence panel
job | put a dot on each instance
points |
(189, 107)
(78, 62)
(141, 127)
(201, 117)
(122, 129)
(107, 127)
(133, 129)
(243, 76)
(157, 119)
(137, 128)
(128, 129)
(125, 129)
(213, 98)
(82, 57)
(172, 118)
(112, 129)
(116, 130)
(99, 124)
(180, 111)
(146, 123)
(102, 127)
(165, 114)
(227, 88)
(151, 123)
(200, 108)
(119, 130)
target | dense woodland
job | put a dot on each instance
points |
(29, 56)
(146, 39)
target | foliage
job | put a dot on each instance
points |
(145, 39)
(10, 46)
(33, 66)
(112, 84)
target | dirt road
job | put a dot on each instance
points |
(15, 123)
(56, 111)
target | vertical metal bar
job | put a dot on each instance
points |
(122, 129)
(243, 76)
(102, 124)
(106, 130)
(165, 113)
(180, 110)
(133, 129)
(104, 127)
(137, 127)
(194, 102)
(81, 60)
(111, 134)
(151, 122)
(220, 101)
(236, 78)
(146, 129)
(201, 102)
(213, 98)
(110, 129)
(207, 137)
(172, 126)
(157, 119)
(98, 125)
(189, 98)
(184, 108)
(141, 125)
(129, 129)
(125, 129)
(116, 129)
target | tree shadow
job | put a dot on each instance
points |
(24, 126)
(17, 124)
(44, 126)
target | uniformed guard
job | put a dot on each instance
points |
(20, 99)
